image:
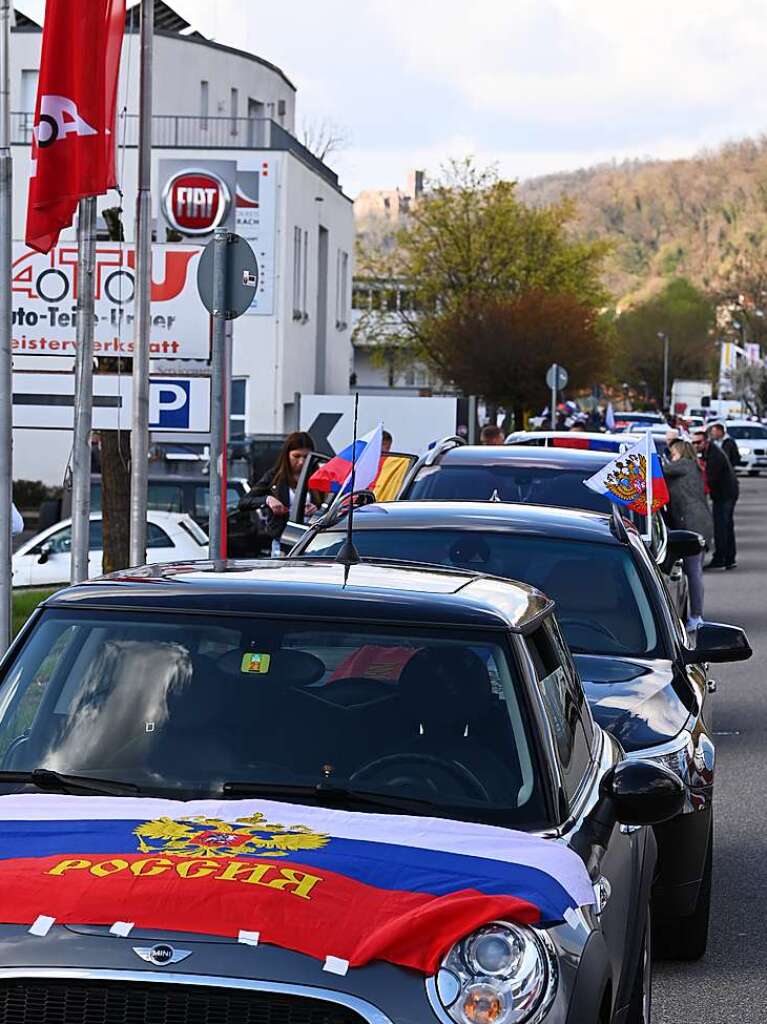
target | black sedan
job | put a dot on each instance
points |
(539, 476)
(644, 682)
(379, 797)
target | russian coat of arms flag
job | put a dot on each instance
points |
(625, 480)
(326, 883)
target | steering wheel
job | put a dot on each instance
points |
(595, 627)
(393, 768)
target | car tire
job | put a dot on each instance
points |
(686, 938)
(640, 1007)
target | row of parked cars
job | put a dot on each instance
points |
(498, 649)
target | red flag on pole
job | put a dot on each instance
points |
(73, 146)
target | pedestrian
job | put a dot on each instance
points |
(491, 434)
(17, 523)
(689, 510)
(724, 490)
(272, 495)
(718, 434)
(386, 442)
(672, 434)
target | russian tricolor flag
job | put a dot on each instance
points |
(626, 481)
(326, 883)
(336, 474)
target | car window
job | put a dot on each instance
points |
(202, 500)
(156, 537)
(165, 497)
(602, 605)
(563, 705)
(748, 433)
(508, 482)
(179, 703)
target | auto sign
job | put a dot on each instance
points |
(196, 201)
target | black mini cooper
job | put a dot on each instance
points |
(436, 708)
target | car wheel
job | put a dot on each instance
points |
(640, 1008)
(686, 938)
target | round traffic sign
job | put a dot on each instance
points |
(241, 277)
(556, 377)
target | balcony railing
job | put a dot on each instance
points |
(181, 131)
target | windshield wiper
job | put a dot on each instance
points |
(328, 792)
(57, 782)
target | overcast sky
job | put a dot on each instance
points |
(534, 85)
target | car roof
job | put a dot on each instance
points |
(295, 589)
(506, 517)
(524, 455)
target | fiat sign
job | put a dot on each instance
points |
(195, 201)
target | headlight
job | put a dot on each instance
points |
(500, 974)
(680, 756)
(744, 449)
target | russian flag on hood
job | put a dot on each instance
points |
(624, 479)
(359, 887)
(335, 475)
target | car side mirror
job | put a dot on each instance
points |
(642, 793)
(718, 642)
(45, 551)
(683, 543)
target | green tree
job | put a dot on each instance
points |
(466, 259)
(686, 316)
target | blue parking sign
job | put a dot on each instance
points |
(169, 404)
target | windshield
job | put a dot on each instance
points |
(530, 485)
(601, 602)
(748, 433)
(182, 703)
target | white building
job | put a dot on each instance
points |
(215, 103)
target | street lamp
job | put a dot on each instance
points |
(666, 400)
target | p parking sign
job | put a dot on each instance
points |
(170, 404)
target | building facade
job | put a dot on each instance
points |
(214, 105)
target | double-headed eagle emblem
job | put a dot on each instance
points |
(212, 837)
(627, 481)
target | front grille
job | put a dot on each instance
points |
(57, 1001)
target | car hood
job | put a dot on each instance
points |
(635, 700)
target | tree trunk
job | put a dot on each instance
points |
(115, 498)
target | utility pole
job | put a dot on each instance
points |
(140, 417)
(666, 400)
(6, 365)
(81, 447)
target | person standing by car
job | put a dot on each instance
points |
(689, 511)
(718, 434)
(491, 434)
(724, 490)
(273, 493)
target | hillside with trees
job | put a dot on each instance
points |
(704, 219)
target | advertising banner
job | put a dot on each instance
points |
(256, 216)
(45, 302)
(414, 422)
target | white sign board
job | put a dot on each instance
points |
(413, 422)
(256, 219)
(47, 401)
(44, 307)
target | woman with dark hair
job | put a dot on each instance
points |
(689, 510)
(273, 492)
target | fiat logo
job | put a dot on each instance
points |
(196, 201)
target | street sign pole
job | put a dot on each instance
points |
(554, 377)
(217, 391)
(6, 429)
(81, 445)
(140, 412)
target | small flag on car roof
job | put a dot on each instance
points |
(624, 480)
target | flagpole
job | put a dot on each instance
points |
(6, 365)
(81, 446)
(140, 416)
(648, 482)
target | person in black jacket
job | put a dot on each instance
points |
(724, 491)
(273, 492)
(718, 434)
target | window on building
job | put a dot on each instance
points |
(342, 290)
(204, 104)
(298, 236)
(234, 109)
(305, 275)
(29, 78)
(237, 405)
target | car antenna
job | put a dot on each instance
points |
(348, 555)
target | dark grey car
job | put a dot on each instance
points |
(424, 694)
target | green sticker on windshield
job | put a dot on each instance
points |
(257, 664)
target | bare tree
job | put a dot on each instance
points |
(323, 137)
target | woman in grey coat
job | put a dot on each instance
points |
(689, 511)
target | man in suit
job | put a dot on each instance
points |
(724, 490)
(718, 434)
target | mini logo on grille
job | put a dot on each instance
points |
(161, 954)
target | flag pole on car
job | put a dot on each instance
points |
(649, 445)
